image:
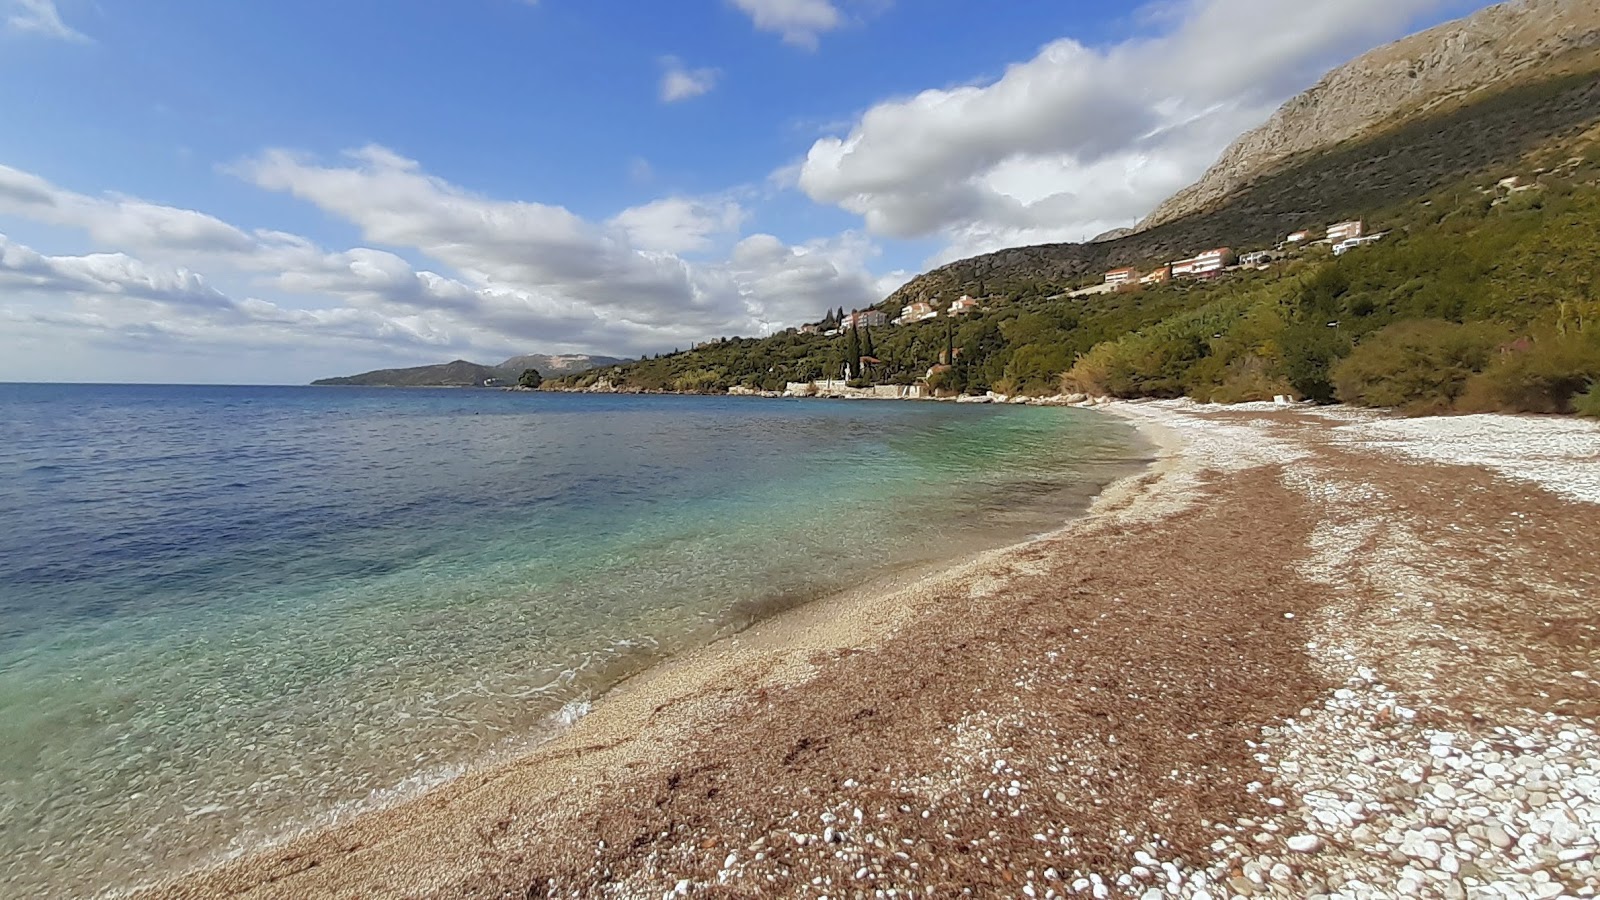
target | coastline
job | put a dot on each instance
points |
(502, 826)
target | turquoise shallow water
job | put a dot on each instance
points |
(229, 613)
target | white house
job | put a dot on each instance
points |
(1344, 231)
(1207, 263)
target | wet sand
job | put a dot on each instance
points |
(1307, 653)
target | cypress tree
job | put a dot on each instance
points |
(853, 351)
(949, 343)
(867, 348)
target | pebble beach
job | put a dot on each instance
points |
(1309, 653)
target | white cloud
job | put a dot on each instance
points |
(681, 83)
(1078, 140)
(514, 277)
(800, 22)
(679, 224)
(41, 17)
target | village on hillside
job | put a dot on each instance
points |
(1342, 237)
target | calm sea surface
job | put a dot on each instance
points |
(230, 613)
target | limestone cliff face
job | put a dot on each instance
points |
(1486, 51)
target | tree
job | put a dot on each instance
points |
(949, 342)
(853, 352)
(867, 347)
(530, 379)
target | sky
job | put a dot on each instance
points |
(257, 192)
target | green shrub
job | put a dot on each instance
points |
(1248, 378)
(1541, 375)
(1588, 402)
(1421, 366)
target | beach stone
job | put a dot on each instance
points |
(1304, 843)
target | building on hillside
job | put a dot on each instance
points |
(963, 306)
(1158, 276)
(1344, 231)
(1258, 258)
(1346, 246)
(810, 329)
(1120, 277)
(1204, 265)
(1299, 237)
(919, 311)
(867, 318)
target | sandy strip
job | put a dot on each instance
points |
(1291, 660)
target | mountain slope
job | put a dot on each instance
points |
(564, 364)
(452, 374)
(1496, 47)
(1485, 132)
(469, 374)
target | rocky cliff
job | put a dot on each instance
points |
(1487, 51)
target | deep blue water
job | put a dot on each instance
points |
(226, 612)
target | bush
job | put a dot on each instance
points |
(1542, 375)
(1248, 379)
(1588, 402)
(1421, 366)
(1092, 374)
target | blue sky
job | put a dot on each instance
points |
(254, 192)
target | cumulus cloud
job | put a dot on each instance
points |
(679, 224)
(800, 22)
(512, 276)
(679, 82)
(40, 17)
(1078, 140)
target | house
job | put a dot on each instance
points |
(870, 318)
(1299, 237)
(1158, 276)
(1344, 231)
(810, 329)
(1120, 277)
(1258, 258)
(919, 311)
(1204, 265)
(1346, 246)
(963, 306)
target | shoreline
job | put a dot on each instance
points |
(836, 620)
(642, 731)
(832, 622)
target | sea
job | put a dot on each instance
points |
(231, 614)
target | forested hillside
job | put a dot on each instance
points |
(1479, 298)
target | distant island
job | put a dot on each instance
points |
(462, 373)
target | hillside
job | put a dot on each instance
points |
(452, 374)
(1486, 135)
(468, 374)
(564, 364)
(1480, 297)
(1539, 62)
(1498, 47)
